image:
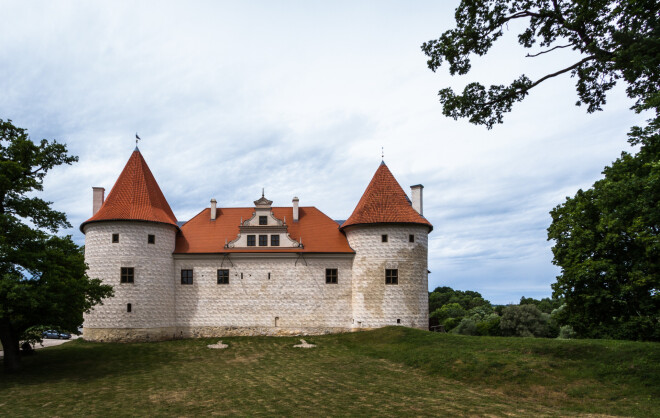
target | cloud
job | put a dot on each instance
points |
(299, 98)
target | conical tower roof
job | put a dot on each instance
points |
(135, 196)
(384, 201)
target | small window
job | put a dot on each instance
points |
(391, 276)
(411, 238)
(127, 274)
(129, 308)
(223, 276)
(251, 240)
(398, 320)
(383, 238)
(331, 276)
(151, 239)
(275, 240)
(263, 220)
(186, 277)
(263, 240)
(269, 276)
(115, 238)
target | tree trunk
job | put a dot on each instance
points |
(9, 339)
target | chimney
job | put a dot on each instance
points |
(295, 209)
(214, 209)
(98, 196)
(416, 193)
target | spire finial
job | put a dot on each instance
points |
(382, 153)
(262, 192)
(137, 138)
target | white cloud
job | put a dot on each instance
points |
(298, 98)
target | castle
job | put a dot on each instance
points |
(259, 270)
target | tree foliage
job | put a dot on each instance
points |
(525, 321)
(607, 243)
(42, 276)
(616, 40)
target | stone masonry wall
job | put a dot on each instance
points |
(272, 294)
(376, 304)
(151, 295)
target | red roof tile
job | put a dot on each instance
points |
(384, 201)
(319, 233)
(135, 196)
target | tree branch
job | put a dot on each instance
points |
(549, 50)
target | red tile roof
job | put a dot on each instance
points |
(319, 233)
(135, 196)
(384, 201)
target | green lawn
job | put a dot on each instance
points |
(389, 372)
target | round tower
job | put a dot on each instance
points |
(390, 268)
(129, 242)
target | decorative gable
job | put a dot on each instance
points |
(263, 229)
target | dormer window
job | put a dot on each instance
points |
(251, 240)
(275, 240)
(263, 220)
(263, 240)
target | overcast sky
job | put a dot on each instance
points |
(299, 97)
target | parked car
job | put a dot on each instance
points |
(51, 333)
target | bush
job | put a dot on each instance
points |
(451, 310)
(466, 327)
(490, 326)
(524, 321)
(451, 323)
(566, 332)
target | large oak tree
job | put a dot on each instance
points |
(42, 276)
(607, 238)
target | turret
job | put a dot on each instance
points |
(129, 242)
(390, 269)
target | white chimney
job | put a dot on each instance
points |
(214, 209)
(416, 192)
(295, 209)
(98, 196)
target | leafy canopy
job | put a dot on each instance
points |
(607, 243)
(42, 276)
(616, 40)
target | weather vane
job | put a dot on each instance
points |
(137, 138)
(382, 153)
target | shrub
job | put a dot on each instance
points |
(490, 326)
(524, 321)
(466, 327)
(566, 332)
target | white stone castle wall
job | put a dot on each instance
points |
(152, 292)
(376, 304)
(296, 293)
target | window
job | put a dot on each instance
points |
(129, 308)
(398, 320)
(115, 238)
(331, 276)
(251, 241)
(411, 238)
(275, 240)
(151, 239)
(383, 238)
(223, 276)
(263, 240)
(186, 277)
(263, 220)
(391, 276)
(127, 274)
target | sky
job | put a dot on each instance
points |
(301, 98)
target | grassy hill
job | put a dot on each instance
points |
(387, 372)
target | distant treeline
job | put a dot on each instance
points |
(468, 313)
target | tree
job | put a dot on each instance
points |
(524, 321)
(42, 276)
(616, 40)
(607, 243)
